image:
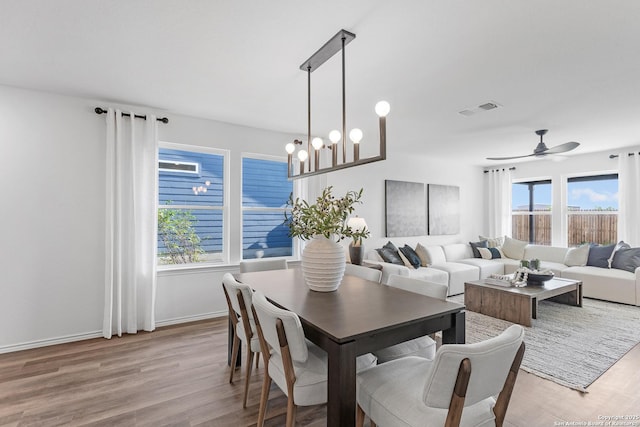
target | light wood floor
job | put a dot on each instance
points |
(177, 376)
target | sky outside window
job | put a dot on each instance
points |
(593, 195)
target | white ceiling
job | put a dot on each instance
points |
(572, 66)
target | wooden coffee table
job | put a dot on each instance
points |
(519, 305)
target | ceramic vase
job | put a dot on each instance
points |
(323, 264)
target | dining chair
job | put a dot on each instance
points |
(423, 346)
(263, 265)
(295, 364)
(239, 297)
(365, 273)
(465, 385)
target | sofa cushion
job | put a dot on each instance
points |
(458, 274)
(487, 267)
(620, 245)
(545, 253)
(430, 255)
(492, 242)
(411, 255)
(513, 248)
(599, 256)
(577, 257)
(603, 283)
(626, 259)
(475, 246)
(457, 251)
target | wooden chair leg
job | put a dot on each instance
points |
(257, 361)
(264, 398)
(359, 416)
(373, 424)
(234, 356)
(247, 375)
(291, 412)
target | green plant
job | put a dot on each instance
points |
(327, 217)
(181, 243)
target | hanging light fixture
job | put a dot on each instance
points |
(337, 138)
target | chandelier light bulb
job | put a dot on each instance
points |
(317, 143)
(303, 155)
(383, 108)
(355, 135)
(334, 136)
(290, 148)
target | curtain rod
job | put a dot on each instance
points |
(99, 110)
(613, 156)
(512, 168)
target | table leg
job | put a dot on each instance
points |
(341, 402)
(455, 334)
(534, 308)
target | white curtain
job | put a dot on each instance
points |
(498, 191)
(629, 198)
(131, 224)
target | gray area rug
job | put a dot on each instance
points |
(569, 345)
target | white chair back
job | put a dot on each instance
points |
(268, 314)
(419, 286)
(263, 265)
(490, 364)
(232, 286)
(365, 273)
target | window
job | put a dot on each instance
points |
(265, 191)
(531, 211)
(592, 209)
(191, 205)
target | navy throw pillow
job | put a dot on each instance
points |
(411, 255)
(599, 256)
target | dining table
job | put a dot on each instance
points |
(358, 318)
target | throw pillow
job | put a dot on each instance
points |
(389, 256)
(492, 242)
(411, 255)
(404, 259)
(423, 255)
(490, 253)
(626, 259)
(621, 245)
(513, 248)
(599, 256)
(475, 246)
(577, 257)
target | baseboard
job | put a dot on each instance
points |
(187, 319)
(50, 341)
(98, 334)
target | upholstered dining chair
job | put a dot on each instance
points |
(239, 297)
(296, 365)
(457, 388)
(365, 273)
(263, 265)
(423, 346)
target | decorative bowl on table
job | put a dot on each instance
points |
(538, 279)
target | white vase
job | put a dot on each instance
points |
(323, 264)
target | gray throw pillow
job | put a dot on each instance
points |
(626, 259)
(599, 256)
(621, 245)
(475, 246)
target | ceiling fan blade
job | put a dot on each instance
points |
(509, 158)
(562, 148)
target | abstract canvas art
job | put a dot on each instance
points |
(405, 208)
(444, 209)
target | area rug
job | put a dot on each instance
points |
(569, 345)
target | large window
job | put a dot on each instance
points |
(592, 209)
(191, 205)
(265, 191)
(531, 211)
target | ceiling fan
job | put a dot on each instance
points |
(541, 149)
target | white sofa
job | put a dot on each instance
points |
(454, 264)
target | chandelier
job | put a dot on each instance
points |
(337, 139)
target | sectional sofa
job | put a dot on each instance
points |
(454, 264)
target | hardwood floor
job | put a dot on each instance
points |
(177, 376)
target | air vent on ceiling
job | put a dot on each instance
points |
(491, 105)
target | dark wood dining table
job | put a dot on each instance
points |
(358, 318)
